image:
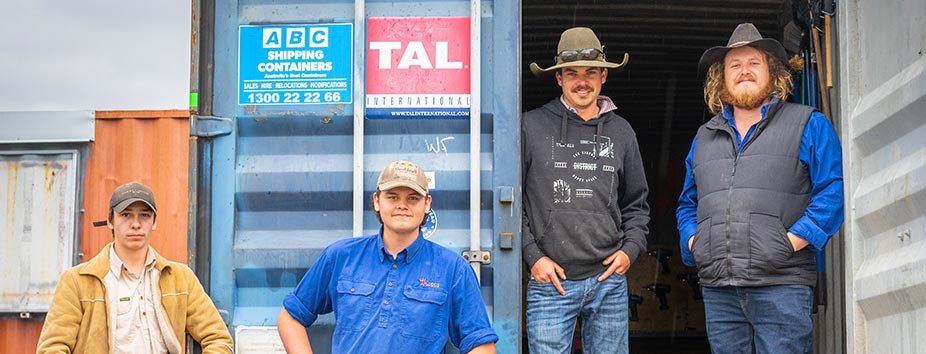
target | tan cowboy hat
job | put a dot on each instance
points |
(577, 39)
(744, 34)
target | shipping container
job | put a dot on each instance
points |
(299, 116)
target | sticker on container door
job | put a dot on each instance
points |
(418, 68)
(430, 225)
(295, 64)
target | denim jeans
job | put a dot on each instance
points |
(762, 320)
(551, 317)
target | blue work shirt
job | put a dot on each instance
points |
(820, 153)
(410, 303)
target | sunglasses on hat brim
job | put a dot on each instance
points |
(581, 54)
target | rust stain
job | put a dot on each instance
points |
(12, 175)
(50, 173)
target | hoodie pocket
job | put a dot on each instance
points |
(769, 246)
(579, 236)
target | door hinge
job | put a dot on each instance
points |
(210, 126)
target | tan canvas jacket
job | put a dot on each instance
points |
(78, 320)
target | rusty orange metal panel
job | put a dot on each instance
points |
(19, 335)
(151, 147)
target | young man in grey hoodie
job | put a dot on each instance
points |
(585, 210)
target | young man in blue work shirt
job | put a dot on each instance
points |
(392, 292)
(762, 195)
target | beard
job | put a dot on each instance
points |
(747, 98)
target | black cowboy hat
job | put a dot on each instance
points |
(744, 34)
(577, 39)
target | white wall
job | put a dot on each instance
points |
(94, 55)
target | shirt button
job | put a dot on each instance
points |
(351, 289)
(393, 266)
(386, 302)
(390, 283)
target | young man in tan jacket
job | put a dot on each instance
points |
(128, 298)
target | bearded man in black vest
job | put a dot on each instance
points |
(763, 194)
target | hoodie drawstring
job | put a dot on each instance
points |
(562, 132)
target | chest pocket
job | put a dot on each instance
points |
(352, 311)
(424, 314)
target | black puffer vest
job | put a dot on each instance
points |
(748, 200)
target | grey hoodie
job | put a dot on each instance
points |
(584, 189)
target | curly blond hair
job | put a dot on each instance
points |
(781, 82)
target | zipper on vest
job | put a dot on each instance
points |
(726, 233)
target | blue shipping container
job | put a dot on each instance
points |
(296, 165)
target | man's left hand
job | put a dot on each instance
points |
(797, 242)
(618, 262)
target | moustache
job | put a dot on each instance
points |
(745, 77)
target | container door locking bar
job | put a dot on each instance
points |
(478, 256)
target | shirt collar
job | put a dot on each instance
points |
(728, 110)
(605, 105)
(408, 254)
(116, 264)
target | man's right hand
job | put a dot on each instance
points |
(545, 270)
(690, 242)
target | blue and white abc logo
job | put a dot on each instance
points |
(295, 37)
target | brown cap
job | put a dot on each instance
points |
(129, 193)
(403, 174)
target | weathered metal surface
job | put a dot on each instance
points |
(57, 127)
(146, 146)
(882, 89)
(37, 222)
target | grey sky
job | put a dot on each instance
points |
(94, 55)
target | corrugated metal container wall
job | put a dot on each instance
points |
(283, 183)
(19, 335)
(151, 147)
(883, 99)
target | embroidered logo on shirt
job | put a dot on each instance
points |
(423, 282)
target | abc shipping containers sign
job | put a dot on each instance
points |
(418, 67)
(295, 64)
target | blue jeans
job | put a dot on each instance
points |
(762, 320)
(551, 317)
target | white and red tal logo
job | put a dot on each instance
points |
(418, 55)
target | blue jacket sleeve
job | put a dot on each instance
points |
(821, 153)
(687, 213)
(469, 322)
(312, 296)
